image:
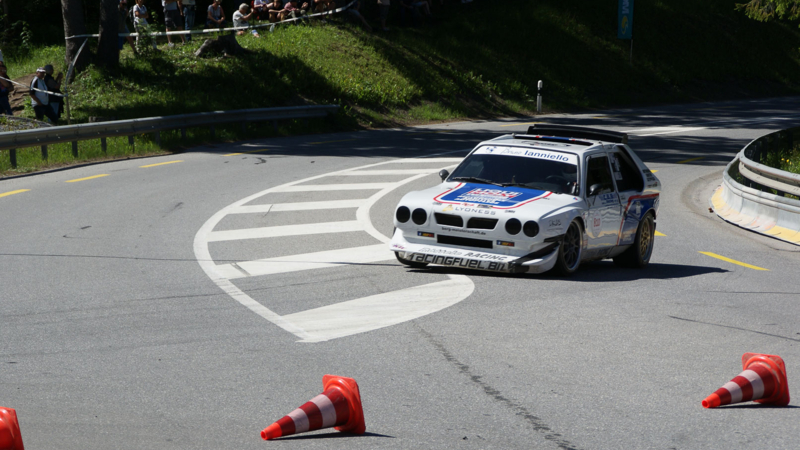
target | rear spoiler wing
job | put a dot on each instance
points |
(568, 131)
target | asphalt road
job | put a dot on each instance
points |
(189, 301)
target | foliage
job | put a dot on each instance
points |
(766, 10)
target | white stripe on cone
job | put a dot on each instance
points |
(327, 410)
(300, 420)
(756, 382)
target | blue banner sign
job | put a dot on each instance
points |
(625, 20)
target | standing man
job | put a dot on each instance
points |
(54, 85)
(188, 16)
(39, 99)
(172, 18)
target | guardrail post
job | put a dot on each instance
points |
(75, 149)
(244, 126)
(213, 132)
(44, 152)
(130, 141)
(104, 145)
(275, 125)
(157, 137)
(12, 154)
(183, 134)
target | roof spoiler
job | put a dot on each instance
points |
(568, 131)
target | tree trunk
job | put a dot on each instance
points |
(72, 11)
(108, 44)
(6, 19)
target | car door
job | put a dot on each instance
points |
(630, 185)
(604, 212)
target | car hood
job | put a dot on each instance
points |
(475, 197)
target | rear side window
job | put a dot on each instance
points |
(597, 172)
(627, 176)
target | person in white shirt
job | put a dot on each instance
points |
(40, 99)
(240, 20)
(140, 16)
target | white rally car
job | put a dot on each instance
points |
(551, 198)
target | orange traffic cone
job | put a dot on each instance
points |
(763, 380)
(10, 437)
(338, 406)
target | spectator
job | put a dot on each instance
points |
(1, 57)
(241, 20)
(189, 9)
(123, 25)
(53, 85)
(172, 18)
(260, 9)
(355, 12)
(383, 11)
(276, 11)
(39, 99)
(216, 16)
(140, 16)
(324, 5)
(5, 88)
(292, 10)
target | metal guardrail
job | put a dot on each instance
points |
(766, 199)
(100, 130)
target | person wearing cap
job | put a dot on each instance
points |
(39, 98)
(240, 20)
(123, 25)
(53, 85)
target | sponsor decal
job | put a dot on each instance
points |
(447, 208)
(398, 246)
(505, 243)
(554, 223)
(467, 209)
(425, 234)
(510, 211)
(459, 230)
(441, 251)
(500, 198)
(459, 262)
(529, 153)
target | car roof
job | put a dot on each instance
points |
(563, 138)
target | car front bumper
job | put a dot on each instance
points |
(537, 262)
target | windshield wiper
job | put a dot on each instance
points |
(476, 180)
(523, 185)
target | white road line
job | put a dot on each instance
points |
(334, 187)
(307, 261)
(285, 230)
(390, 172)
(681, 130)
(301, 206)
(379, 311)
(379, 314)
(427, 160)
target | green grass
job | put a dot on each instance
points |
(475, 61)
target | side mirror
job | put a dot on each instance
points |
(595, 189)
(443, 174)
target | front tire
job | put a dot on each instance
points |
(409, 263)
(570, 250)
(638, 255)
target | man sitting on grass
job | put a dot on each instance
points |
(241, 18)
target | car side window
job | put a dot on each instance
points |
(598, 176)
(627, 176)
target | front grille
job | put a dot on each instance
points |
(449, 220)
(481, 223)
(463, 242)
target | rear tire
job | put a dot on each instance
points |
(409, 263)
(570, 250)
(638, 255)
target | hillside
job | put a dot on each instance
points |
(476, 60)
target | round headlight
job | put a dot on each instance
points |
(419, 216)
(531, 228)
(513, 226)
(402, 214)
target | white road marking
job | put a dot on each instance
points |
(391, 172)
(301, 206)
(334, 187)
(342, 319)
(379, 311)
(307, 261)
(285, 230)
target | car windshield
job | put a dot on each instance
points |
(529, 168)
